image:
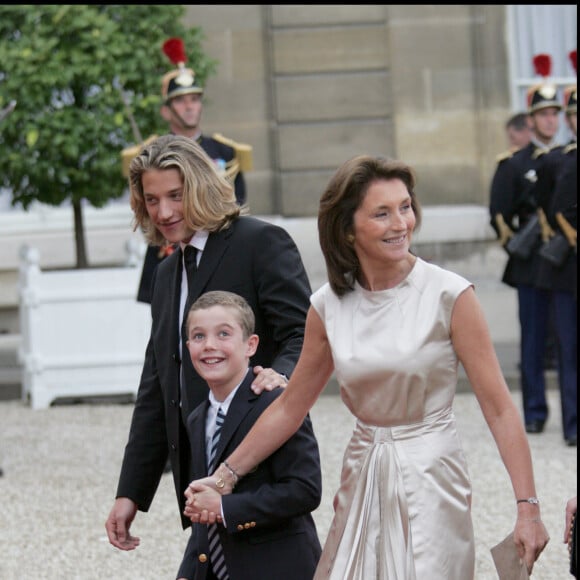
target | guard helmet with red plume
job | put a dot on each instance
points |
(544, 94)
(543, 65)
(572, 56)
(174, 49)
(180, 81)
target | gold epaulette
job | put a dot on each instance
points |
(570, 147)
(232, 169)
(538, 152)
(129, 153)
(505, 155)
(243, 152)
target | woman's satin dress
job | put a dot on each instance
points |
(403, 508)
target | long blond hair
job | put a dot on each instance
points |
(209, 201)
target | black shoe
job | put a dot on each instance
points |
(535, 427)
(571, 441)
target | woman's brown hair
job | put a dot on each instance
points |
(342, 197)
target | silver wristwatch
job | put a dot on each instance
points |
(532, 500)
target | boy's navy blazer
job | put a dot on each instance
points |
(270, 530)
(253, 258)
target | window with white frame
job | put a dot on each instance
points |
(541, 29)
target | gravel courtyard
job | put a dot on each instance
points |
(61, 467)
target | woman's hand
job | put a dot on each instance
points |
(531, 537)
(222, 481)
(571, 506)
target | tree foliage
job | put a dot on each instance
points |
(74, 72)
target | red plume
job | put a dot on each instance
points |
(572, 56)
(175, 50)
(543, 64)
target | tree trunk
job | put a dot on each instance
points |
(80, 245)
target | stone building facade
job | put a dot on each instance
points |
(311, 85)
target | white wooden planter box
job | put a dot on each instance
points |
(83, 332)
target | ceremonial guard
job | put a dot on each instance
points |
(513, 210)
(182, 109)
(518, 130)
(557, 195)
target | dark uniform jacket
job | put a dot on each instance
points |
(513, 196)
(253, 258)
(222, 154)
(557, 191)
(270, 530)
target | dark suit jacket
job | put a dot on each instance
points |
(253, 258)
(270, 530)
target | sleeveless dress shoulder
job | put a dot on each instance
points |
(403, 509)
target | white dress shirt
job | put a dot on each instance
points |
(210, 423)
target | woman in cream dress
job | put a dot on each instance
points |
(393, 328)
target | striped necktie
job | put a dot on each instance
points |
(216, 553)
(215, 440)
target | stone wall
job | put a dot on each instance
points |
(310, 85)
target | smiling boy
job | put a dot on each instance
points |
(266, 529)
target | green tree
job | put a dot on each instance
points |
(78, 75)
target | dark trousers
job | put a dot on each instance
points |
(534, 312)
(566, 329)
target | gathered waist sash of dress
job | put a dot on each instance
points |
(433, 423)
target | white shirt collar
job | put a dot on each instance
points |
(198, 240)
(225, 405)
(542, 145)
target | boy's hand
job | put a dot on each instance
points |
(203, 504)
